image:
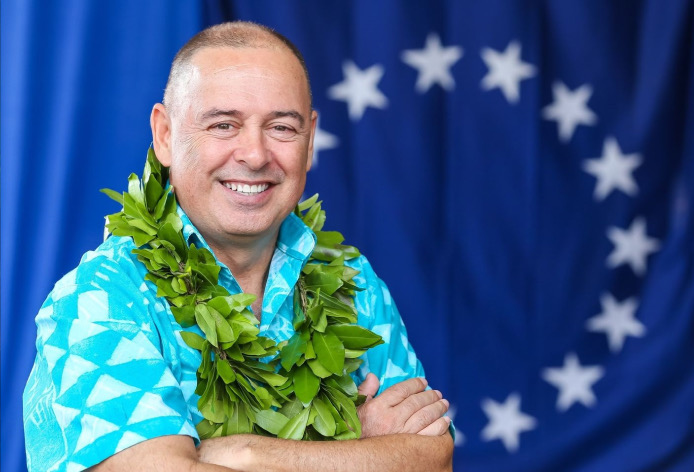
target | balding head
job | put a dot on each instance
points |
(237, 35)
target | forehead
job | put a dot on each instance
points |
(271, 72)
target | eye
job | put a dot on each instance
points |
(222, 126)
(281, 131)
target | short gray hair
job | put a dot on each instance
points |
(234, 34)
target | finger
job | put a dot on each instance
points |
(437, 428)
(426, 416)
(369, 386)
(412, 404)
(402, 390)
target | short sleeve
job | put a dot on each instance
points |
(100, 382)
(394, 360)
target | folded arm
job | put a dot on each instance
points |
(402, 430)
(397, 452)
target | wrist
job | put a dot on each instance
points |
(234, 452)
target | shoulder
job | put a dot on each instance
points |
(105, 277)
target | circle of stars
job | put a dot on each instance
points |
(613, 171)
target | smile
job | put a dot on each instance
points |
(246, 189)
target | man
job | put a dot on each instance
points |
(113, 382)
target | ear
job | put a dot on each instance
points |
(314, 121)
(161, 134)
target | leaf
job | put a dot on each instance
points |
(329, 238)
(185, 315)
(238, 422)
(318, 369)
(272, 378)
(299, 315)
(329, 351)
(292, 408)
(213, 408)
(206, 323)
(224, 332)
(271, 421)
(355, 337)
(306, 384)
(295, 427)
(225, 371)
(113, 195)
(310, 353)
(353, 353)
(293, 351)
(135, 188)
(352, 365)
(241, 301)
(234, 352)
(327, 282)
(193, 340)
(168, 232)
(346, 408)
(206, 429)
(324, 422)
(166, 196)
(309, 202)
(346, 435)
(345, 384)
(153, 191)
(221, 304)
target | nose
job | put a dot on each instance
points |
(251, 149)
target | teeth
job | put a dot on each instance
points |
(247, 189)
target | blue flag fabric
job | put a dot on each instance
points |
(521, 174)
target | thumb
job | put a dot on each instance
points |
(369, 386)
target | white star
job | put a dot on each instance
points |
(359, 89)
(570, 109)
(616, 321)
(506, 70)
(459, 436)
(322, 140)
(506, 421)
(632, 246)
(574, 382)
(613, 170)
(433, 63)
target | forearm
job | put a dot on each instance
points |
(398, 452)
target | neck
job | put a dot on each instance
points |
(249, 263)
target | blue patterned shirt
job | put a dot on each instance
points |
(112, 369)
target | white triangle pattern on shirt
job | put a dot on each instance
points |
(46, 324)
(127, 351)
(74, 467)
(81, 330)
(393, 371)
(64, 415)
(107, 388)
(92, 429)
(167, 380)
(75, 367)
(52, 355)
(151, 406)
(93, 306)
(129, 438)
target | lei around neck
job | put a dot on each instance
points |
(305, 391)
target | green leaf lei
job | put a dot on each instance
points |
(305, 391)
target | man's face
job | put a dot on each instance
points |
(242, 142)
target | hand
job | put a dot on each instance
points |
(406, 407)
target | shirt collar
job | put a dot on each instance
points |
(295, 239)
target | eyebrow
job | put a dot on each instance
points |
(290, 113)
(216, 112)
